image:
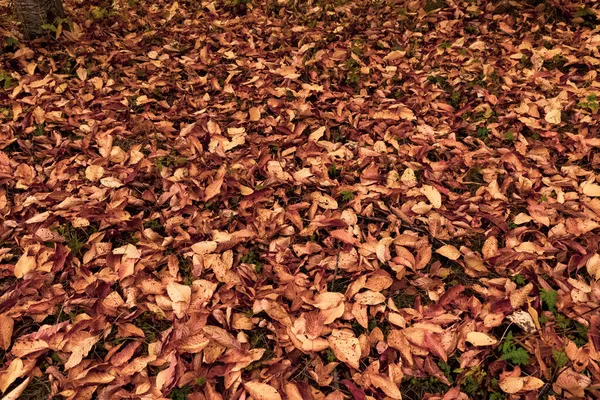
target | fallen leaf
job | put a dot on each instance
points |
(433, 195)
(480, 339)
(449, 251)
(345, 347)
(261, 391)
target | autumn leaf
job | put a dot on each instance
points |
(300, 200)
(25, 264)
(449, 251)
(433, 195)
(480, 339)
(261, 391)
(6, 331)
(345, 347)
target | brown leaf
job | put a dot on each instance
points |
(345, 347)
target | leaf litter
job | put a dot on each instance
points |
(330, 199)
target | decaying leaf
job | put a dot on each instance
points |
(345, 346)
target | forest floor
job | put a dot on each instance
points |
(292, 200)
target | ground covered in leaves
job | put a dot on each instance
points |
(293, 200)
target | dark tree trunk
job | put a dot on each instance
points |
(35, 13)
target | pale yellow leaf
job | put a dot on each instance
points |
(25, 265)
(408, 177)
(369, 298)
(205, 247)
(111, 182)
(16, 393)
(94, 172)
(553, 117)
(490, 247)
(433, 195)
(532, 383)
(591, 189)
(593, 266)
(328, 300)
(511, 384)
(38, 218)
(80, 350)
(386, 385)
(394, 55)
(480, 339)
(449, 251)
(82, 73)
(179, 293)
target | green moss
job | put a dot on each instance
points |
(334, 172)
(347, 195)
(181, 393)
(433, 5)
(513, 353)
(417, 388)
(75, 238)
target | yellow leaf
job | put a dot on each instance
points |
(449, 251)
(23, 347)
(553, 117)
(593, 266)
(394, 55)
(408, 177)
(178, 292)
(369, 298)
(523, 320)
(532, 383)
(326, 300)
(25, 265)
(318, 134)
(386, 385)
(261, 391)
(111, 182)
(591, 189)
(38, 218)
(94, 172)
(512, 384)
(206, 247)
(82, 73)
(433, 195)
(480, 339)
